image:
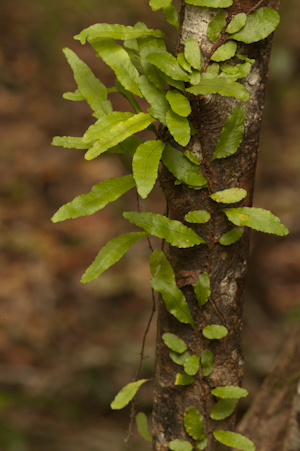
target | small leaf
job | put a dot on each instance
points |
(193, 423)
(231, 237)
(111, 253)
(142, 426)
(156, 5)
(223, 409)
(179, 128)
(70, 142)
(183, 62)
(179, 103)
(211, 3)
(232, 133)
(180, 445)
(229, 196)
(237, 23)
(191, 365)
(225, 51)
(168, 64)
(201, 444)
(126, 394)
(128, 146)
(229, 392)
(236, 72)
(179, 358)
(259, 25)
(171, 82)
(157, 99)
(216, 25)
(202, 288)
(192, 53)
(161, 268)
(235, 440)
(213, 69)
(171, 15)
(145, 165)
(191, 156)
(197, 216)
(183, 379)
(222, 86)
(75, 96)
(215, 332)
(256, 218)
(104, 125)
(174, 343)
(245, 58)
(195, 77)
(207, 362)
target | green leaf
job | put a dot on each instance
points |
(192, 53)
(111, 253)
(182, 168)
(171, 15)
(215, 332)
(155, 5)
(211, 3)
(174, 343)
(221, 86)
(195, 77)
(207, 362)
(232, 133)
(126, 394)
(70, 142)
(259, 25)
(179, 128)
(193, 423)
(229, 392)
(156, 98)
(75, 96)
(101, 194)
(256, 218)
(128, 146)
(231, 237)
(183, 379)
(235, 440)
(174, 300)
(225, 51)
(179, 103)
(191, 365)
(235, 72)
(128, 96)
(161, 268)
(201, 444)
(202, 288)
(145, 165)
(237, 23)
(116, 31)
(175, 83)
(197, 216)
(147, 46)
(245, 58)
(88, 85)
(179, 359)
(110, 135)
(174, 232)
(223, 409)
(183, 62)
(180, 445)
(216, 25)
(229, 196)
(168, 64)
(118, 59)
(191, 156)
(213, 70)
(142, 426)
(104, 124)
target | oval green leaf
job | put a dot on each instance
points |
(229, 392)
(180, 445)
(191, 365)
(259, 25)
(215, 332)
(216, 25)
(229, 196)
(211, 3)
(234, 440)
(231, 237)
(179, 128)
(171, 15)
(197, 217)
(126, 394)
(201, 444)
(161, 268)
(225, 51)
(179, 103)
(223, 409)
(168, 64)
(235, 72)
(207, 362)
(193, 423)
(202, 288)
(179, 359)
(183, 379)
(192, 157)
(222, 86)
(237, 23)
(142, 426)
(156, 98)
(192, 53)
(183, 62)
(174, 343)
(159, 4)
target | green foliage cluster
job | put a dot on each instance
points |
(145, 69)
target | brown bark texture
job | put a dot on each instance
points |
(226, 265)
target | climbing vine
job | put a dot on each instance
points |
(145, 69)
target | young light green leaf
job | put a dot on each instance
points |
(191, 365)
(142, 426)
(118, 59)
(259, 25)
(237, 23)
(223, 409)
(182, 168)
(174, 300)
(245, 58)
(174, 343)
(145, 165)
(171, 15)
(216, 25)
(104, 124)
(183, 62)
(128, 146)
(195, 77)
(202, 288)
(234, 440)
(159, 4)
(111, 253)
(161, 268)
(229, 392)
(156, 98)
(180, 445)
(192, 53)
(256, 218)
(179, 103)
(101, 194)
(193, 423)
(235, 72)
(207, 362)
(222, 86)
(179, 128)
(211, 3)
(197, 216)
(174, 232)
(126, 394)
(168, 64)
(128, 96)
(179, 358)
(201, 444)
(215, 332)
(232, 133)
(225, 51)
(191, 156)
(231, 237)
(70, 142)
(229, 196)
(75, 96)
(183, 379)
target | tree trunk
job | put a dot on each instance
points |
(226, 265)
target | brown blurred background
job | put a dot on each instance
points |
(67, 348)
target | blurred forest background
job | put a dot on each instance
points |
(67, 348)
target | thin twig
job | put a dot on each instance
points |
(255, 7)
(139, 210)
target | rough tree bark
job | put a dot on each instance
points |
(226, 266)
